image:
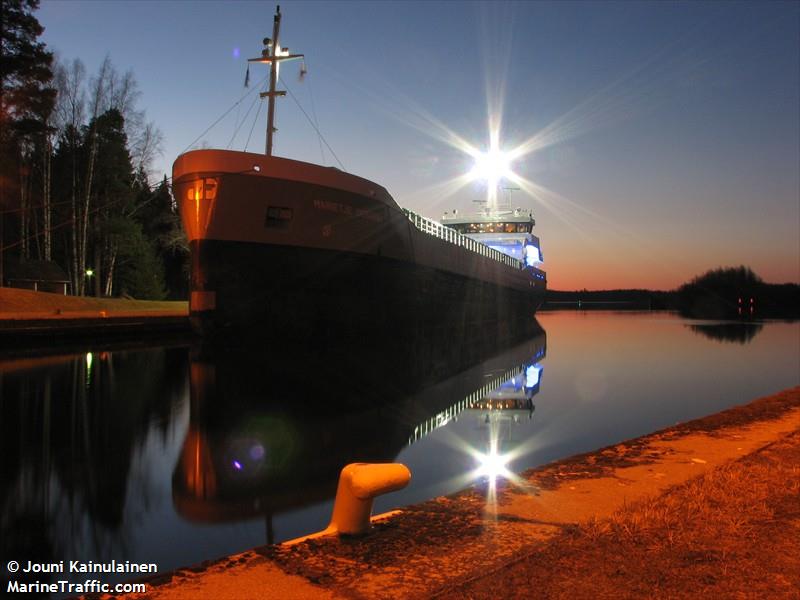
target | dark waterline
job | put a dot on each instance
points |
(178, 455)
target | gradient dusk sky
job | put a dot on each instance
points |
(664, 136)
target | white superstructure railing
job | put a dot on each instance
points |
(448, 234)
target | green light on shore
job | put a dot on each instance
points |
(89, 272)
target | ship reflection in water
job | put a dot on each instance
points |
(268, 435)
(502, 410)
(134, 454)
(176, 456)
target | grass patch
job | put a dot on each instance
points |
(16, 303)
(639, 451)
(730, 533)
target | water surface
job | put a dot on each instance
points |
(177, 455)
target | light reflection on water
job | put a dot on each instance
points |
(173, 456)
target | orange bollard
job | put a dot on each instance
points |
(359, 484)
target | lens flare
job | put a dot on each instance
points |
(491, 166)
(493, 464)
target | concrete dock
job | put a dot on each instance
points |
(483, 543)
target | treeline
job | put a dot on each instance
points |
(76, 159)
(737, 292)
(723, 293)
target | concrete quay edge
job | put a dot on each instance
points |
(22, 330)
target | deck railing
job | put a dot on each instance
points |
(451, 235)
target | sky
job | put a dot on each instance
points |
(652, 140)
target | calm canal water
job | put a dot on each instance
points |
(175, 456)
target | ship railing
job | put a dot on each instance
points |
(452, 236)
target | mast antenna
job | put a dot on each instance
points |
(273, 54)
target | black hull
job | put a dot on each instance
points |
(270, 292)
(315, 413)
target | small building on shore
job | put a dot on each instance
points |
(36, 275)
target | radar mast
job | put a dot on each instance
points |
(273, 54)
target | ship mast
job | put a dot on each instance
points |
(273, 54)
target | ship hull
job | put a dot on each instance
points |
(289, 250)
(295, 293)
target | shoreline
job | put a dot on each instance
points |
(29, 318)
(465, 542)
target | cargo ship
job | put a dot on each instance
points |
(281, 247)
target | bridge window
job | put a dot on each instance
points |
(492, 227)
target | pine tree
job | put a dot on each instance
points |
(102, 216)
(158, 214)
(26, 104)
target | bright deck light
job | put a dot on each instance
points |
(491, 166)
